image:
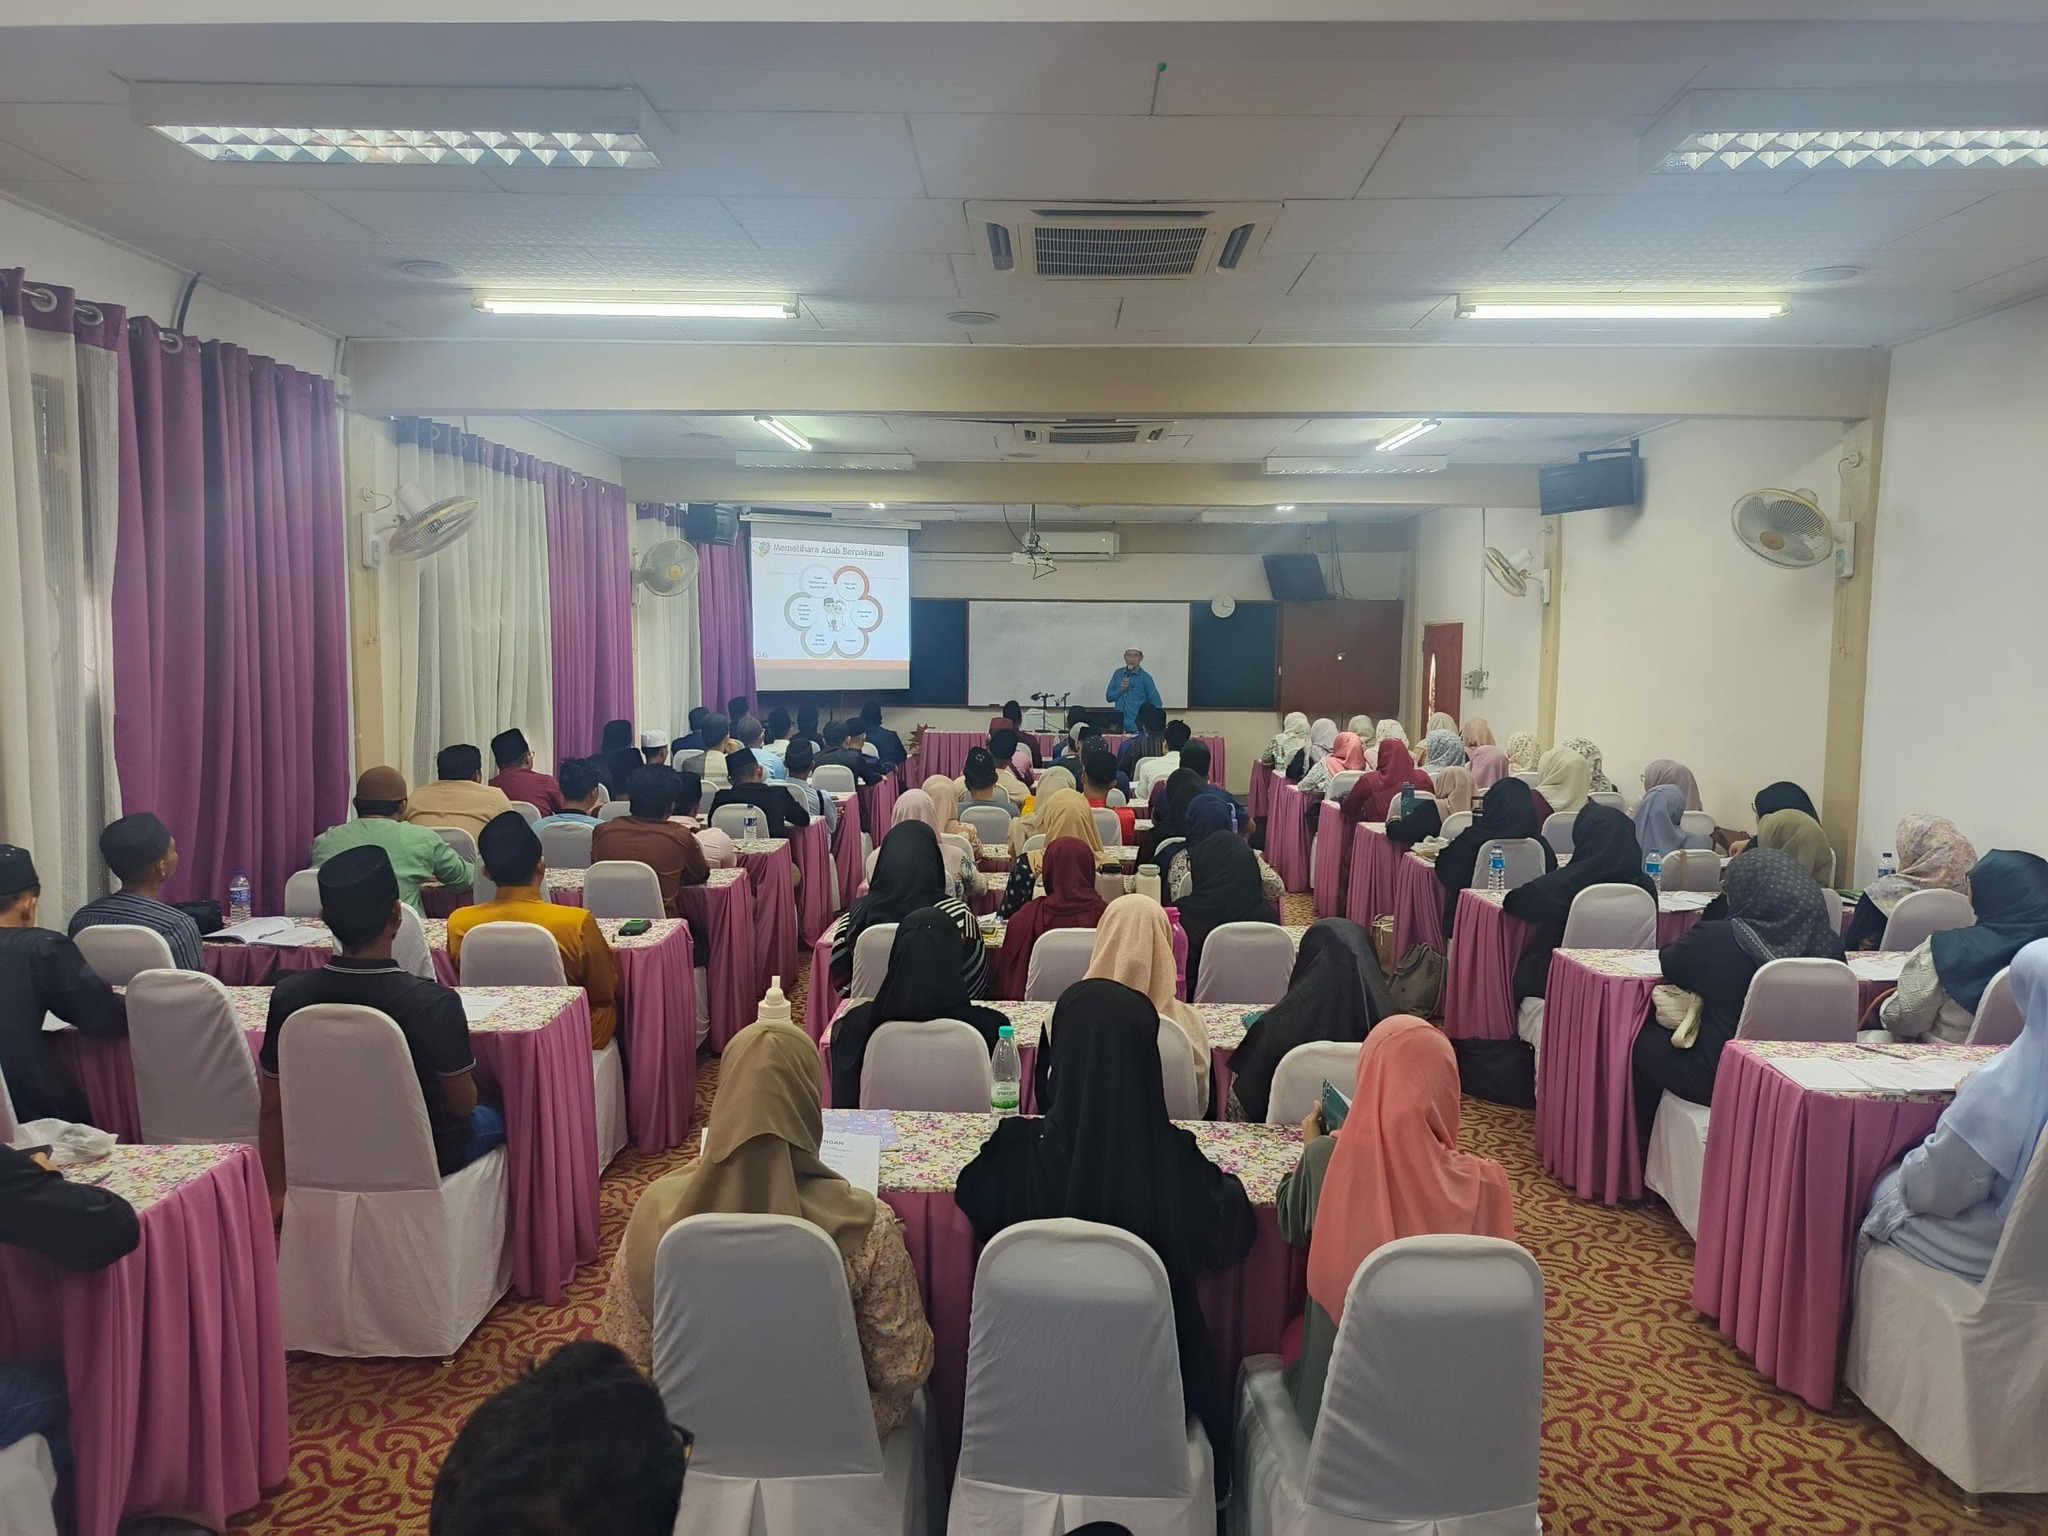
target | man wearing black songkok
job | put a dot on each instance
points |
(143, 855)
(42, 972)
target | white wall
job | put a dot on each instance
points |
(1677, 642)
(1957, 624)
(52, 251)
(1452, 587)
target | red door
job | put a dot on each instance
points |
(1443, 672)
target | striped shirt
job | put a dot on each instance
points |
(178, 930)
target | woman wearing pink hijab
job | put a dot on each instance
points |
(1489, 766)
(1347, 756)
(962, 878)
(1395, 1172)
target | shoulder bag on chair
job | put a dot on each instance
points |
(1418, 981)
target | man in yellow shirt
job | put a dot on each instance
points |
(459, 797)
(510, 850)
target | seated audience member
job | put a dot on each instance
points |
(962, 878)
(1386, 730)
(1947, 1202)
(647, 836)
(1206, 814)
(1489, 766)
(1098, 778)
(1507, 815)
(1049, 783)
(778, 728)
(693, 740)
(1444, 748)
(1394, 1171)
(982, 782)
(1336, 991)
(1322, 741)
(846, 738)
(910, 874)
(1774, 911)
(617, 734)
(1011, 754)
(1064, 813)
(417, 854)
(1376, 795)
(581, 799)
(579, 1445)
(619, 768)
(1933, 855)
(737, 708)
(654, 748)
(359, 902)
(141, 852)
(1148, 741)
(516, 776)
(753, 737)
(1169, 818)
(511, 852)
(1152, 770)
(750, 787)
(1027, 742)
(1105, 1150)
(760, 1158)
(1226, 886)
(1476, 733)
(718, 742)
(42, 972)
(1455, 791)
(1563, 781)
(1196, 758)
(798, 761)
(1663, 770)
(1438, 721)
(1134, 947)
(807, 726)
(1945, 977)
(887, 744)
(1604, 852)
(1660, 822)
(945, 819)
(459, 797)
(1070, 901)
(1348, 756)
(1292, 738)
(924, 982)
(1784, 795)
(1525, 752)
(1601, 784)
(1798, 834)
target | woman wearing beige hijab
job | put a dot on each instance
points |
(1030, 824)
(1563, 781)
(1134, 946)
(945, 795)
(1477, 733)
(1454, 789)
(1063, 813)
(1524, 752)
(760, 1158)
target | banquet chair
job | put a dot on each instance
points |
(612, 810)
(1999, 1020)
(1524, 859)
(527, 809)
(733, 821)
(1074, 1411)
(959, 841)
(1298, 1080)
(622, 888)
(1455, 823)
(1923, 914)
(1108, 827)
(1607, 797)
(1697, 824)
(410, 949)
(1034, 844)
(566, 845)
(380, 1255)
(28, 1488)
(1245, 963)
(195, 1080)
(689, 762)
(511, 955)
(836, 778)
(1059, 958)
(119, 952)
(1960, 1371)
(1342, 784)
(463, 844)
(934, 1064)
(1432, 1412)
(1530, 777)
(1832, 900)
(1690, 869)
(1557, 831)
(755, 1349)
(1187, 1090)
(1611, 917)
(871, 959)
(991, 823)
(1002, 798)
(302, 894)
(1115, 800)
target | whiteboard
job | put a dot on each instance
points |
(1016, 649)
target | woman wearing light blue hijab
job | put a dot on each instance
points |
(1947, 1202)
(1660, 822)
(1443, 748)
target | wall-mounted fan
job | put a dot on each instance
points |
(1516, 574)
(1788, 529)
(668, 568)
(422, 525)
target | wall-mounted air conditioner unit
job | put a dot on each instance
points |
(1071, 546)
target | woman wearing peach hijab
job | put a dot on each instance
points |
(962, 878)
(1477, 733)
(1454, 787)
(945, 795)
(1394, 1172)
(1348, 756)
(1489, 766)
(1134, 945)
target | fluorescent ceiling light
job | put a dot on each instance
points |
(1869, 148)
(248, 144)
(1623, 309)
(785, 431)
(816, 460)
(647, 309)
(1404, 464)
(878, 506)
(1865, 128)
(1407, 434)
(1285, 506)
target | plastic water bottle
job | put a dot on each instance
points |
(240, 909)
(1407, 801)
(1887, 864)
(1008, 1070)
(1496, 867)
(1653, 866)
(752, 826)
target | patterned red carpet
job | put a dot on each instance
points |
(1653, 1423)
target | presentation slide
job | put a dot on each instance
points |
(831, 606)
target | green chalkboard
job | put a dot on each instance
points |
(1231, 661)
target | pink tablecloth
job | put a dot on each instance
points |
(878, 801)
(847, 856)
(1330, 866)
(1479, 1002)
(771, 868)
(1369, 889)
(1788, 1179)
(811, 849)
(946, 752)
(1287, 837)
(1418, 906)
(1260, 800)
(658, 1031)
(259, 965)
(722, 913)
(173, 1356)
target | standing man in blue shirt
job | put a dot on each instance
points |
(1131, 688)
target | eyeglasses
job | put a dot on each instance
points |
(686, 1440)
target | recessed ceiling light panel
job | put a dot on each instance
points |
(1621, 308)
(648, 307)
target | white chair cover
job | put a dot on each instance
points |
(622, 888)
(1059, 958)
(1557, 831)
(1343, 783)
(939, 1064)
(612, 810)
(871, 959)
(1832, 900)
(380, 1255)
(604, 796)
(119, 952)
(410, 948)
(1298, 1080)
(28, 1488)
(1999, 1020)
(1697, 824)
(1530, 778)
(566, 845)
(1115, 800)
(1432, 1413)
(1612, 917)
(1187, 1090)
(755, 1351)
(1524, 858)
(688, 762)
(991, 823)
(195, 1080)
(836, 777)
(302, 893)
(1074, 1410)
(511, 955)
(527, 809)
(1690, 869)
(1034, 843)
(1108, 827)
(1456, 822)
(1245, 963)
(1608, 797)
(1800, 1000)
(732, 820)
(1676, 1166)
(462, 843)
(1958, 1370)
(1924, 913)
(608, 1081)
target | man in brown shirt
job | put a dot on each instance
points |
(458, 797)
(647, 836)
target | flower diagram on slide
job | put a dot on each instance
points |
(834, 612)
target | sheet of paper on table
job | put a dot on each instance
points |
(292, 936)
(878, 1123)
(1922, 1072)
(856, 1159)
(1822, 1074)
(478, 1006)
(1635, 962)
(1686, 901)
(1884, 965)
(252, 929)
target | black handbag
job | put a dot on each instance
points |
(1499, 1071)
(207, 914)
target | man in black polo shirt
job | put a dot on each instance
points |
(359, 902)
(42, 972)
(845, 738)
(750, 787)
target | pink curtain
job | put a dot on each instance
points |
(230, 610)
(725, 623)
(590, 597)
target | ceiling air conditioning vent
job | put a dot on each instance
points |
(1121, 242)
(1075, 432)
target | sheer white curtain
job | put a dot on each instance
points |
(59, 511)
(665, 678)
(464, 632)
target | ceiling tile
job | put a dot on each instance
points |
(536, 218)
(1509, 156)
(808, 274)
(17, 164)
(1146, 157)
(1406, 224)
(219, 263)
(868, 223)
(181, 212)
(1024, 313)
(2017, 283)
(1998, 219)
(1172, 313)
(369, 266)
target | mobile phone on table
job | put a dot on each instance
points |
(1335, 1107)
(634, 927)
